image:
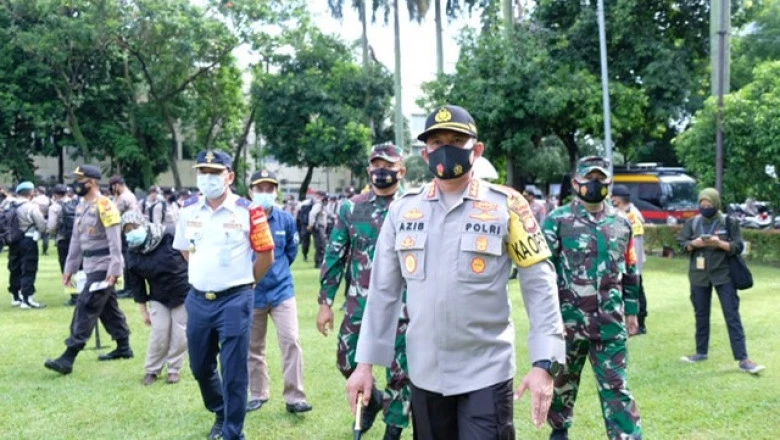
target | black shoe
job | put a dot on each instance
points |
(393, 432)
(119, 353)
(298, 407)
(371, 410)
(641, 331)
(70, 302)
(60, 365)
(216, 429)
(254, 405)
(559, 434)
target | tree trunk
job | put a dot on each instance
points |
(399, 115)
(242, 140)
(305, 183)
(172, 151)
(75, 129)
(60, 158)
(439, 44)
(572, 148)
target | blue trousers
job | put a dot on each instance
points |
(221, 328)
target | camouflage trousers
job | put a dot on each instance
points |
(608, 358)
(397, 393)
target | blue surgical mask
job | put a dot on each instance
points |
(136, 237)
(266, 200)
(211, 185)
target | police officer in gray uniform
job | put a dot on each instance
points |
(451, 244)
(96, 244)
(23, 255)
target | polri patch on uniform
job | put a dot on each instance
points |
(478, 265)
(410, 262)
(413, 214)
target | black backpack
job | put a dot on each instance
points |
(148, 210)
(303, 214)
(10, 234)
(67, 218)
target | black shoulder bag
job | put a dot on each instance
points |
(738, 270)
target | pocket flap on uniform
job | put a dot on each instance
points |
(410, 240)
(481, 243)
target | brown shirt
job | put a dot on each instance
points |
(96, 228)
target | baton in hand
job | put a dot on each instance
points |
(358, 417)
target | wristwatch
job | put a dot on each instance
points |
(552, 367)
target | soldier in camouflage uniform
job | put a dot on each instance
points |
(593, 253)
(351, 248)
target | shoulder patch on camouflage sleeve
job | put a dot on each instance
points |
(191, 201)
(109, 213)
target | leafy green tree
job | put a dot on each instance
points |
(756, 42)
(321, 90)
(751, 139)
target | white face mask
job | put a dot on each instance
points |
(211, 185)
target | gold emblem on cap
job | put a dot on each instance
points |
(264, 173)
(210, 156)
(443, 115)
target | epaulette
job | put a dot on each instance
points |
(414, 191)
(191, 201)
(242, 202)
(503, 189)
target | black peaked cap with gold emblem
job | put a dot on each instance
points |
(264, 176)
(449, 117)
(88, 171)
(213, 159)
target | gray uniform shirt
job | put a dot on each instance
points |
(96, 227)
(30, 218)
(455, 264)
(318, 215)
(126, 201)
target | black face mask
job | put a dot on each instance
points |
(449, 162)
(80, 188)
(593, 191)
(383, 178)
(708, 212)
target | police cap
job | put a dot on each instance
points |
(60, 189)
(116, 179)
(449, 117)
(213, 159)
(264, 176)
(88, 171)
(593, 163)
(621, 190)
(388, 152)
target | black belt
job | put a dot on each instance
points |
(211, 296)
(96, 253)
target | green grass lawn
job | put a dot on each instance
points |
(713, 400)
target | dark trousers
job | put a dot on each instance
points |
(221, 328)
(701, 297)
(484, 414)
(22, 267)
(62, 253)
(642, 303)
(305, 236)
(320, 240)
(90, 307)
(45, 241)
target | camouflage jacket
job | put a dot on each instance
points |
(351, 246)
(596, 264)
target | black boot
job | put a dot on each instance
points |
(642, 329)
(371, 410)
(123, 351)
(64, 363)
(559, 434)
(72, 301)
(216, 428)
(393, 432)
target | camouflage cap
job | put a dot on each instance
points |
(388, 152)
(449, 117)
(593, 163)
